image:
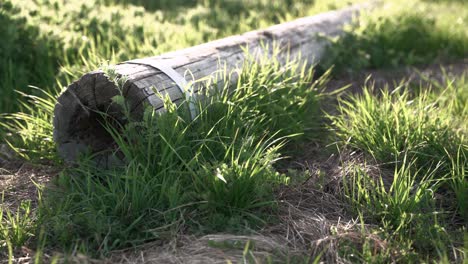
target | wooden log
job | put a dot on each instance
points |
(78, 126)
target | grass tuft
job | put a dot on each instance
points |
(396, 124)
(16, 227)
(417, 135)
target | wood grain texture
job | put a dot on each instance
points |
(77, 123)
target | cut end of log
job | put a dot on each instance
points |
(78, 122)
(86, 107)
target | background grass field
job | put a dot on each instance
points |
(390, 161)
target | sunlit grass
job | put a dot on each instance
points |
(418, 137)
(395, 124)
(47, 40)
(217, 173)
(402, 33)
(16, 227)
(30, 132)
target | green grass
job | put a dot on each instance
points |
(402, 33)
(16, 227)
(400, 124)
(50, 50)
(218, 173)
(46, 41)
(418, 136)
(33, 129)
(214, 173)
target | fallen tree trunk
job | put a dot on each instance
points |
(77, 124)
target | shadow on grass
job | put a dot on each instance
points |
(233, 7)
(151, 5)
(25, 57)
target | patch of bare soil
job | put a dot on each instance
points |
(421, 75)
(19, 181)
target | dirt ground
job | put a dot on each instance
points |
(422, 75)
(313, 220)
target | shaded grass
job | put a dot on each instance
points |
(26, 56)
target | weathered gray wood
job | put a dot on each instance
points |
(77, 126)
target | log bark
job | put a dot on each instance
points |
(78, 125)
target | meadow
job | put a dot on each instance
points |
(280, 167)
